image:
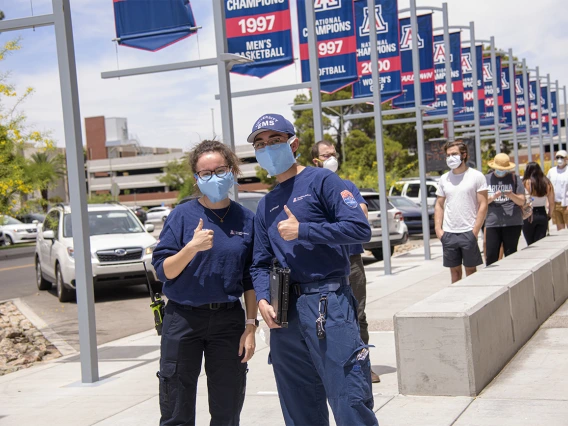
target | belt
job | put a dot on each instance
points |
(323, 286)
(207, 306)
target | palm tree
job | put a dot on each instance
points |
(46, 169)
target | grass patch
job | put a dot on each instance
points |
(13, 246)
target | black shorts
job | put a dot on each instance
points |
(461, 248)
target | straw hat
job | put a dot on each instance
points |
(501, 162)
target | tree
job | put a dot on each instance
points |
(179, 177)
(47, 168)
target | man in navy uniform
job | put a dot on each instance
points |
(307, 222)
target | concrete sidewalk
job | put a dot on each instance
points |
(531, 390)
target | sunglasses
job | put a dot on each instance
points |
(559, 157)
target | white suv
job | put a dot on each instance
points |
(410, 188)
(158, 214)
(119, 245)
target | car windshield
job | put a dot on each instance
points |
(402, 202)
(7, 220)
(106, 222)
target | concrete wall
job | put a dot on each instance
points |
(456, 341)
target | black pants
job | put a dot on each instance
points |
(358, 282)
(187, 335)
(506, 235)
(537, 228)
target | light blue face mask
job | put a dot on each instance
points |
(276, 159)
(501, 173)
(217, 188)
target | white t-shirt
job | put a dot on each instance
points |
(559, 179)
(460, 190)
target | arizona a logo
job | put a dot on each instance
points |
(382, 26)
(406, 38)
(467, 65)
(532, 96)
(487, 73)
(518, 88)
(440, 53)
(321, 5)
(504, 82)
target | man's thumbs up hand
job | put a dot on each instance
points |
(290, 227)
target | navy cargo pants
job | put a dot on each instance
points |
(309, 370)
(189, 334)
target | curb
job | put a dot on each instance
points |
(17, 252)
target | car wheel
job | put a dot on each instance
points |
(164, 218)
(378, 254)
(63, 293)
(404, 239)
(8, 240)
(42, 283)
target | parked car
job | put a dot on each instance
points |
(31, 218)
(398, 231)
(410, 188)
(140, 213)
(2, 240)
(119, 245)
(412, 213)
(157, 214)
(16, 231)
(251, 199)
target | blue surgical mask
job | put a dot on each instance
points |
(217, 188)
(276, 159)
(501, 173)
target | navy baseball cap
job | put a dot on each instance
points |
(273, 122)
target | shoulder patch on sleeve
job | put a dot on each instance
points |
(349, 199)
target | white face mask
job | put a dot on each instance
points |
(453, 161)
(561, 162)
(331, 164)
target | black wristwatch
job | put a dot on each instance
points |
(252, 322)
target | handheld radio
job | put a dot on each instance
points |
(157, 305)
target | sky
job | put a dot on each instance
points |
(174, 109)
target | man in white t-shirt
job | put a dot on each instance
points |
(559, 177)
(460, 211)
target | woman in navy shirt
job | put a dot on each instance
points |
(203, 257)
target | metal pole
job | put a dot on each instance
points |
(420, 130)
(385, 235)
(449, 88)
(558, 118)
(513, 108)
(565, 120)
(314, 70)
(77, 193)
(550, 131)
(526, 82)
(224, 81)
(496, 78)
(539, 110)
(476, 112)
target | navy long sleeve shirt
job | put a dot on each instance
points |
(330, 219)
(355, 248)
(218, 275)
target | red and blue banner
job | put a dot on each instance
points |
(441, 103)
(521, 111)
(488, 84)
(336, 43)
(506, 89)
(152, 25)
(386, 23)
(534, 107)
(261, 31)
(554, 112)
(426, 50)
(469, 85)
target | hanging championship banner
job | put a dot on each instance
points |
(260, 30)
(468, 86)
(488, 84)
(506, 90)
(544, 107)
(337, 47)
(426, 50)
(521, 111)
(152, 25)
(441, 103)
(386, 22)
(554, 112)
(534, 107)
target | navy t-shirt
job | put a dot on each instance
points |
(355, 248)
(330, 220)
(220, 274)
